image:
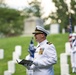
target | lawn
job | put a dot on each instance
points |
(8, 44)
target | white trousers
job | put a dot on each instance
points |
(73, 59)
(29, 72)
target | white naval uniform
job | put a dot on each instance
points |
(73, 55)
(45, 58)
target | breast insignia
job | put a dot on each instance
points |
(49, 43)
(41, 51)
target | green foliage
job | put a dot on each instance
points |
(61, 16)
(33, 9)
(47, 27)
(73, 7)
(11, 21)
(8, 44)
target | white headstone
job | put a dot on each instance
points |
(30, 24)
(67, 48)
(63, 30)
(63, 64)
(15, 57)
(75, 28)
(54, 28)
(63, 58)
(18, 50)
(7, 73)
(1, 53)
(11, 66)
(65, 69)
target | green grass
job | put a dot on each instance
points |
(8, 44)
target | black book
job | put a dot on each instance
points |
(25, 62)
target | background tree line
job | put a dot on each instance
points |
(12, 20)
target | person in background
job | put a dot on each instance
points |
(73, 52)
(45, 55)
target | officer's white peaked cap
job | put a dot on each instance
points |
(40, 29)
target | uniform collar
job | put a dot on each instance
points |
(43, 42)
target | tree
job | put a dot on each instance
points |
(73, 12)
(11, 21)
(61, 16)
(33, 9)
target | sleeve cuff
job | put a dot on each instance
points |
(35, 62)
(32, 67)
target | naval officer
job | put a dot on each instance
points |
(45, 55)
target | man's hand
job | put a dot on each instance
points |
(26, 63)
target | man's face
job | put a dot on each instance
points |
(39, 37)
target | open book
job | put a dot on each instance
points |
(25, 62)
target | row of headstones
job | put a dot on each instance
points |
(11, 64)
(55, 29)
(30, 24)
(63, 60)
(17, 53)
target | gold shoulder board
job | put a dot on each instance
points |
(49, 43)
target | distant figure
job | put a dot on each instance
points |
(73, 52)
(45, 55)
(69, 29)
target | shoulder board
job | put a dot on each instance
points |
(49, 43)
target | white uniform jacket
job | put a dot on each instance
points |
(45, 58)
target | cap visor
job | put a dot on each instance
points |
(37, 32)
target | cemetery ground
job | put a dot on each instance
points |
(8, 44)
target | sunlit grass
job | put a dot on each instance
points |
(8, 44)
